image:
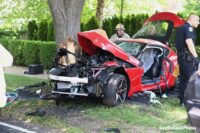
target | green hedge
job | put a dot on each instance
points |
(47, 54)
(27, 52)
(8, 33)
(132, 24)
(92, 24)
(50, 34)
(198, 50)
(42, 31)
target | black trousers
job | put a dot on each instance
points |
(187, 68)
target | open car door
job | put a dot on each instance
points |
(159, 26)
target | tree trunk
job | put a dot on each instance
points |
(66, 18)
(99, 12)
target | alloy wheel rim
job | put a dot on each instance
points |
(121, 91)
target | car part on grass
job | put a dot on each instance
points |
(37, 112)
(30, 91)
(152, 97)
(11, 97)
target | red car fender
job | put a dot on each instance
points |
(135, 77)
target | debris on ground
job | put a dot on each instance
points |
(115, 130)
(31, 91)
(37, 112)
(147, 97)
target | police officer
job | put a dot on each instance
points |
(187, 55)
(119, 34)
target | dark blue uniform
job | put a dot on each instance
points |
(185, 58)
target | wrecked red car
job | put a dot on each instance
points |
(116, 71)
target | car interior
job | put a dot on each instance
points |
(152, 58)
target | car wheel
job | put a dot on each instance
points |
(115, 91)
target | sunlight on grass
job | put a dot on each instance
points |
(155, 116)
(14, 81)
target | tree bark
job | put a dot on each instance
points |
(99, 12)
(66, 18)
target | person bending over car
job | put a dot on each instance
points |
(119, 34)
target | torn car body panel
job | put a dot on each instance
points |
(91, 42)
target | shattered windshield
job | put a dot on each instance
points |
(149, 29)
(133, 48)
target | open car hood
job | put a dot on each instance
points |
(93, 42)
(160, 26)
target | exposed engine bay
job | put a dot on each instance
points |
(87, 76)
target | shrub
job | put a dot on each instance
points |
(127, 24)
(6, 33)
(17, 48)
(51, 34)
(31, 52)
(92, 24)
(27, 52)
(107, 27)
(198, 36)
(133, 25)
(114, 21)
(83, 27)
(4, 42)
(47, 54)
(42, 31)
(32, 30)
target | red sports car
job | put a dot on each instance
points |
(116, 71)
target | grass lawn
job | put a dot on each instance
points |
(91, 116)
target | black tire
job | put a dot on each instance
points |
(115, 91)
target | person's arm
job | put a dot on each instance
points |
(191, 47)
(113, 38)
